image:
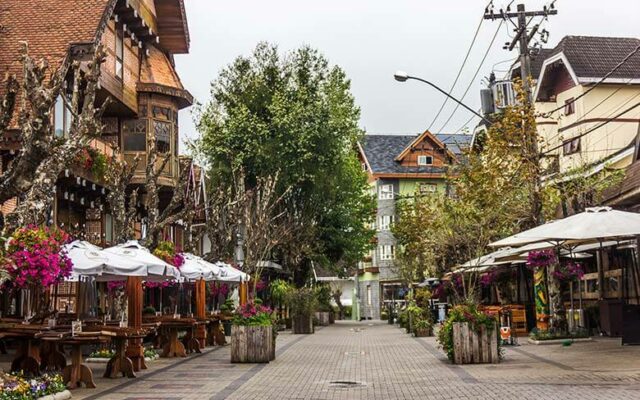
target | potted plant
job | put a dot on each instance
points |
(323, 296)
(423, 327)
(470, 336)
(278, 291)
(252, 335)
(227, 313)
(302, 304)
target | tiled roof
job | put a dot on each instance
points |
(594, 57)
(156, 68)
(381, 151)
(48, 26)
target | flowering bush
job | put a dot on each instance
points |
(252, 314)
(93, 160)
(114, 286)
(541, 258)
(163, 284)
(463, 313)
(569, 272)
(18, 387)
(218, 288)
(167, 251)
(35, 258)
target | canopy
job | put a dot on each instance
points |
(594, 224)
(91, 260)
(156, 268)
(195, 268)
(231, 274)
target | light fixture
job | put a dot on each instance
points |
(401, 76)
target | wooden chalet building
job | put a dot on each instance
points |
(140, 38)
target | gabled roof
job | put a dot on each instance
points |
(158, 75)
(595, 56)
(425, 135)
(380, 152)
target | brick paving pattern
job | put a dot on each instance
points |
(379, 361)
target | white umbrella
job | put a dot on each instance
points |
(91, 260)
(157, 269)
(195, 268)
(231, 274)
(594, 224)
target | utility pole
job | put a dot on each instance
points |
(523, 37)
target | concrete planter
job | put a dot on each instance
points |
(557, 341)
(64, 395)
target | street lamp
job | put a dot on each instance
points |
(402, 76)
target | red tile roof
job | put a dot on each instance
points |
(49, 27)
(156, 68)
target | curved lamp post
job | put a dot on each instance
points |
(402, 76)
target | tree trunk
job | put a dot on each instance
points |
(559, 323)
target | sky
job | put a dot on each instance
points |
(371, 39)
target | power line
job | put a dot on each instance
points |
(588, 131)
(620, 64)
(475, 75)
(455, 81)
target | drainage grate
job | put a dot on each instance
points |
(354, 353)
(346, 384)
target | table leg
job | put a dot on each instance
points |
(174, 348)
(27, 358)
(77, 373)
(52, 357)
(119, 363)
(219, 334)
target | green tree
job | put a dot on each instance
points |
(293, 116)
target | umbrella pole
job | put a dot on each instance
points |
(135, 350)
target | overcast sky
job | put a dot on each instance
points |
(371, 39)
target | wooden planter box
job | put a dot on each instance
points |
(324, 318)
(474, 347)
(425, 332)
(302, 324)
(252, 344)
(332, 317)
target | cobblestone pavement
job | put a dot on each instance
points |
(379, 361)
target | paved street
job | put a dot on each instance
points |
(384, 363)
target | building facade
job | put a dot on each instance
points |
(399, 167)
(140, 39)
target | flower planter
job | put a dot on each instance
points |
(302, 324)
(226, 325)
(423, 332)
(475, 347)
(252, 344)
(324, 318)
(64, 395)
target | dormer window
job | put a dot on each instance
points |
(425, 160)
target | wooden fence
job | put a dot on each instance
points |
(474, 347)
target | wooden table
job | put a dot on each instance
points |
(27, 357)
(190, 341)
(171, 327)
(121, 363)
(78, 373)
(216, 333)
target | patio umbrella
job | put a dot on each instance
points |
(231, 274)
(195, 268)
(156, 268)
(594, 224)
(91, 260)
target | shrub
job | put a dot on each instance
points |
(302, 301)
(252, 314)
(323, 296)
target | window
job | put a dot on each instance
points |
(385, 192)
(387, 252)
(571, 146)
(162, 131)
(119, 51)
(425, 160)
(108, 228)
(134, 134)
(61, 118)
(384, 222)
(369, 297)
(364, 167)
(569, 106)
(427, 188)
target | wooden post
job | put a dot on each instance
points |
(135, 350)
(201, 331)
(243, 293)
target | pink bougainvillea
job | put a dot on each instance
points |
(35, 257)
(568, 272)
(218, 289)
(541, 258)
(163, 284)
(114, 286)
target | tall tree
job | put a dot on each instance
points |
(293, 116)
(33, 173)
